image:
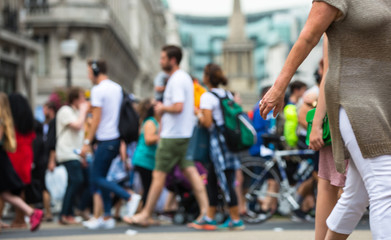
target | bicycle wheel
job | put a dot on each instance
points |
(261, 186)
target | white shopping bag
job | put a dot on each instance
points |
(56, 182)
(117, 171)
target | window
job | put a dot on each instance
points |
(7, 77)
(43, 58)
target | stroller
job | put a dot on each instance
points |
(187, 205)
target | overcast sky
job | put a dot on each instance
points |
(224, 7)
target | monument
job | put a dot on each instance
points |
(238, 60)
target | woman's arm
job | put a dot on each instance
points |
(319, 19)
(316, 137)
(205, 117)
(151, 135)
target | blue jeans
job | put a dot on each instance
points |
(75, 180)
(104, 155)
(86, 196)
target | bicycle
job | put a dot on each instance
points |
(258, 174)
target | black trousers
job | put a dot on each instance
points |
(146, 179)
(212, 187)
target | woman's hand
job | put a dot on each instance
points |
(316, 138)
(273, 100)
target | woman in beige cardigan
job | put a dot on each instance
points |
(357, 91)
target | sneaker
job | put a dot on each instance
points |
(256, 217)
(203, 225)
(93, 223)
(35, 219)
(86, 222)
(300, 216)
(231, 225)
(108, 224)
(132, 204)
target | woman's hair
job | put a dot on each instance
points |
(51, 105)
(215, 75)
(145, 109)
(9, 141)
(21, 113)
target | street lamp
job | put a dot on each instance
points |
(68, 51)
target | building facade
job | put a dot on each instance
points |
(17, 54)
(272, 34)
(127, 34)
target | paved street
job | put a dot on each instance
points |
(276, 229)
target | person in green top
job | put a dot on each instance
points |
(144, 156)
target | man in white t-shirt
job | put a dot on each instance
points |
(177, 125)
(106, 99)
(70, 132)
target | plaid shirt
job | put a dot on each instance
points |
(222, 159)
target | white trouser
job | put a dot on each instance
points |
(367, 181)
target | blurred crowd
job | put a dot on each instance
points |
(81, 159)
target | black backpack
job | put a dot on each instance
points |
(128, 125)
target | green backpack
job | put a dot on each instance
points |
(238, 132)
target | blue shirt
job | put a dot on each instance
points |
(262, 127)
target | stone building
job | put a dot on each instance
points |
(128, 34)
(17, 53)
(238, 60)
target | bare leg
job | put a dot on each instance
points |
(17, 202)
(18, 221)
(2, 225)
(46, 205)
(211, 212)
(199, 190)
(234, 213)
(97, 205)
(335, 236)
(157, 185)
(306, 188)
(326, 200)
(270, 203)
(171, 204)
(239, 191)
(308, 203)
(117, 208)
(158, 180)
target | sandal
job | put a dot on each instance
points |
(18, 225)
(4, 225)
(135, 222)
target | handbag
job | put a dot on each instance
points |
(326, 128)
(198, 149)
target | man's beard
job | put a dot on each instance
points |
(167, 68)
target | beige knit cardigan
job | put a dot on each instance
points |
(359, 76)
